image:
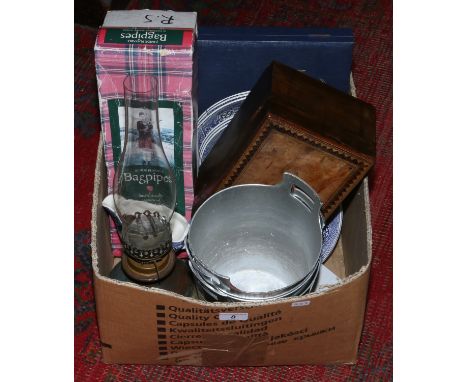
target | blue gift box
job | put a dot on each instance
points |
(231, 59)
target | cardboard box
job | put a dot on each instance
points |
(150, 326)
(161, 43)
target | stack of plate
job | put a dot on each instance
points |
(214, 120)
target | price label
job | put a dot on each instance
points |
(300, 303)
(233, 316)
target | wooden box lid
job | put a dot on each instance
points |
(292, 122)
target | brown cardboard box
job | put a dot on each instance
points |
(150, 326)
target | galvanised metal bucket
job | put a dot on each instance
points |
(257, 242)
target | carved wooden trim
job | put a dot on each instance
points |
(359, 162)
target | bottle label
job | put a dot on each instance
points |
(149, 183)
(146, 177)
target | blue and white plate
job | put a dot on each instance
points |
(211, 125)
(331, 234)
(214, 120)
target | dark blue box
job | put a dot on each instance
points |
(231, 59)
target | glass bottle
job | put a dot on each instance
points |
(144, 188)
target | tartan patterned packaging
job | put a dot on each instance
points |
(160, 43)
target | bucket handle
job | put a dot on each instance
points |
(304, 193)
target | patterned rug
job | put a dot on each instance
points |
(371, 22)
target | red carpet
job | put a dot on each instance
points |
(371, 22)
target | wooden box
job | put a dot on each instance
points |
(292, 122)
